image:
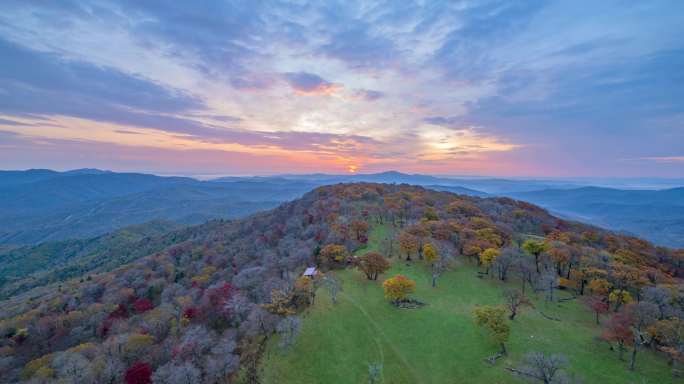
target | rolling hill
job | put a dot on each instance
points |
(42, 205)
(39, 206)
(27, 267)
(655, 215)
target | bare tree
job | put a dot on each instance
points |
(333, 286)
(446, 258)
(643, 314)
(172, 373)
(548, 282)
(222, 361)
(389, 245)
(72, 367)
(438, 267)
(658, 296)
(538, 367)
(514, 299)
(504, 262)
(288, 329)
(526, 270)
(111, 371)
(374, 373)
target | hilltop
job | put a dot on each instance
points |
(207, 304)
(41, 206)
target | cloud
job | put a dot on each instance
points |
(46, 84)
(665, 159)
(7, 137)
(12, 122)
(218, 37)
(21, 151)
(309, 84)
(359, 49)
(222, 118)
(620, 92)
(445, 121)
(290, 140)
(252, 82)
(468, 53)
(124, 132)
(368, 94)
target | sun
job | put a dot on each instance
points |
(351, 168)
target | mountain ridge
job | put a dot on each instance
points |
(45, 205)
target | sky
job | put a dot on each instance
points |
(504, 88)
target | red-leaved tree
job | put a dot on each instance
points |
(139, 373)
(142, 305)
(599, 306)
(619, 330)
(219, 296)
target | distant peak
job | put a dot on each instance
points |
(391, 173)
(87, 171)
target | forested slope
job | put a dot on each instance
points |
(28, 267)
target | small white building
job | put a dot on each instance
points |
(310, 272)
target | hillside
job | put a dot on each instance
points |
(655, 215)
(440, 342)
(39, 206)
(223, 301)
(28, 267)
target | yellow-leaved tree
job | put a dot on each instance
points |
(488, 256)
(618, 297)
(398, 288)
(431, 254)
(493, 319)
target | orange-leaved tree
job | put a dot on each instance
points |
(372, 264)
(409, 244)
(333, 253)
(360, 229)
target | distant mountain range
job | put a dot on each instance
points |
(655, 215)
(41, 205)
(479, 184)
(44, 205)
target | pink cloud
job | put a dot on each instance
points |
(309, 84)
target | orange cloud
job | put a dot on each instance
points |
(309, 84)
(320, 90)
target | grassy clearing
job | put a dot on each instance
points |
(439, 343)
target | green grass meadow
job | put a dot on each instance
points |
(439, 343)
